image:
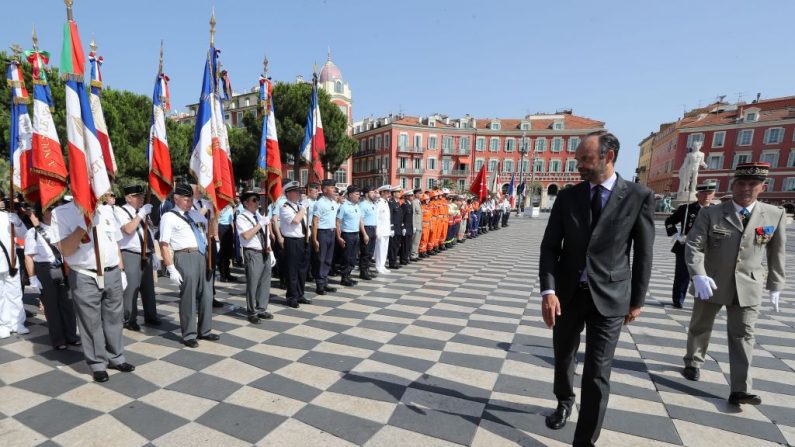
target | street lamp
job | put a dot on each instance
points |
(522, 150)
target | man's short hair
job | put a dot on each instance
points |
(607, 141)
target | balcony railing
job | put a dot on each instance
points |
(456, 172)
(410, 149)
(463, 152)
(410, 171)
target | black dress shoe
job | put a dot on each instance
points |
(320, 291)
(677, 305)
(292, 303)
(691, 373)
(191, 343)
(253, 319)
(303, 300)
(347, 282)
(741, 397)
(123, 367)
(132, 326)
(217, 303)
(209, 337)
(155, 322)
(327, 289)
(265, 315)
(557, 420)
(365, 276)
(101, 376)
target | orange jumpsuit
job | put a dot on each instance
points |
(426, 227)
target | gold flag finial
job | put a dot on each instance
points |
(93, 45)
(160, 66)
(329, 54)
(265, 65)
(17, 50)
(69, 4)
(35, 39)
(212, 27)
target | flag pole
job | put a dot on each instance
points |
(213, 97)
(17, 50)
(148, 197)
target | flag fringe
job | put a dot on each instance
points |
(72, 77)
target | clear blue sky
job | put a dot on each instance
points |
(632, 64)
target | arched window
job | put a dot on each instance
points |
(338, 87)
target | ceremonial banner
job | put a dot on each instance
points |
(96, 110)
(512, 191)
(496, 189)
(48, 161)
(479, 187)
(161, 178)
(314, 142)
(21, 134)
(88, 175)
(269, 162)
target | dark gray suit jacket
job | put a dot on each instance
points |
(568, 247)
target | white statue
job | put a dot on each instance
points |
(688, 172)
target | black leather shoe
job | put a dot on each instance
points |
(101, 376)
(691, 373)
(365, 276)
(347, 282)
(155, 322)
(265, 315)
(303, 300)
(253, 319)
(677, 305)
(741, 397)
(191, 343)
(123, 367)
(292, 303)
(320, 291)
(217, 303)
(209, 337)
(327, 289)
(132, 326)
(557, 420)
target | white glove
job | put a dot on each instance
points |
(174, 275)
(123, 281)
(704, 285)
(678, 237)
(392, 233)
(263, 221)
(774, 295)
(155, 262)
(34, 282)
(145, 210)
(272, 259)
(404, 232)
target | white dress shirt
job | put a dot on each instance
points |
(383, 225)
(177, 233)
(132, 241)
(37, 247)
(246, 220)
(287, 213)
(65, 220)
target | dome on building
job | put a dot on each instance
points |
(330, 72)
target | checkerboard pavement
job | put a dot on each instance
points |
(448, 351)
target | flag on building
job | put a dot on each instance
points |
(96, 108)
(21, 133)
(314, 143)
(479, 187)
(161, 178)
(48, 161)
(88, 175)
(512, 191)
(269, 161)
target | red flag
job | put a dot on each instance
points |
(479, 187)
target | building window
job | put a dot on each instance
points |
(751, 116)
(417, 182)
(554, 166)
(291, 174)
(571, 165)
(573, 143)
(557, 144)
(507, 165)
(538, 166)
(509, 144)
(771, 183)
(743, 157)
(791, 159)
(432, 164)
(378, 142)
(447, 145)
(744, 137)
(480, 144)
(718, 139)
(402, 162)
(304, 176)
(463, 144)
(387, 142)
(431, 183)
(248, 102)
(557, 125)
(432, 142)
(789, 184)
(495, 125)
(524, 144)
(340, 176)
(693, 138)
(479, 164)
(524, 126)
(446, 165)
(461, 185)
(774, 135)
(715, 161)
(418, 163)
(403, 141)
(525, 165)
(494, 144)
(338, 87)
(370, 144)
(770, 157)
(541, 144)
(418, 141)
(492, 164)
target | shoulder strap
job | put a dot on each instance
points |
(11, 270)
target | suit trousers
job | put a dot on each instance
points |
(140, 279)
(195, 295)
(296, 263)
(99, 316)
(381, 247)
(415, 241)
(405, 248)
(227, 252)
(59, 309)
(681, 279)
(349, 252)
(394, 248)
(325, 255)
(367, 250)
(740, 328)
(258, 280)
(601, 337)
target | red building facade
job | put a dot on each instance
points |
(423, 152)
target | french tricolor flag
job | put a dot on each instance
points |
(161, 178)
(99, 115)
(21, 133)
(205, 141)
(314, 142)
(269, 162)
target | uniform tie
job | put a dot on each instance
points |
(596, 205)
(200, 242)
(744, 216)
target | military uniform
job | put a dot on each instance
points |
(417, 217)
(296, 247)
(407, 210)
(396, 236)
(349, 226)
(324, 216)
(383, 231)
(252, 230)
(12, 313)
(370, 218)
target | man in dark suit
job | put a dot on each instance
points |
(408, 227)
(396, 217)
(705, 192)
(586, 280)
